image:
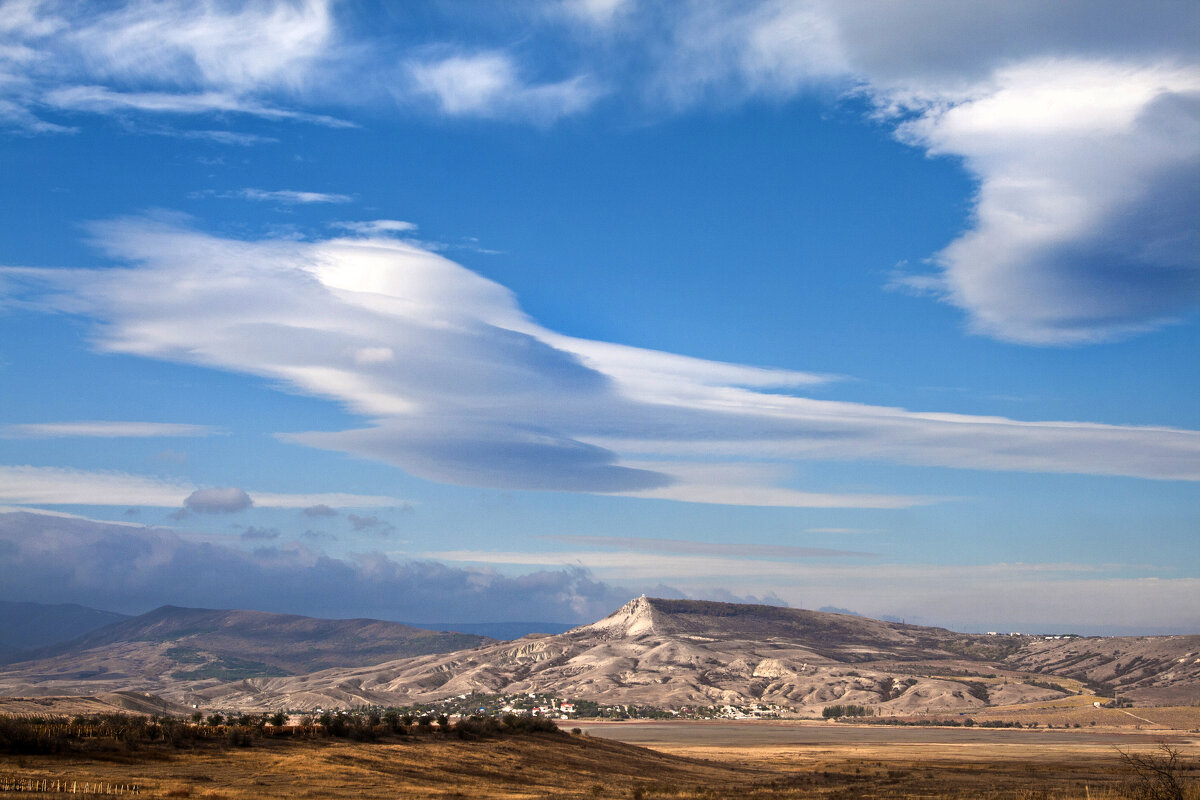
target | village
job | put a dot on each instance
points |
(549, 706)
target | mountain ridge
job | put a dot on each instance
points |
(651, 651)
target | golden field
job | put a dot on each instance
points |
(756, 760)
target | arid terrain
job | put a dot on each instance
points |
(946, 715)
(652, 652)
(756, 760)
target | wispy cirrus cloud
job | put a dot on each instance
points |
(102, 100)
(288, 196)
(684, 547)
(163, 58)
(105, 429)
(480, 394)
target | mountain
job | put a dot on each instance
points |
(24, 626)
(677, 653)
(175, 649)
(666, 653)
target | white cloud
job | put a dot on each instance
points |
(29, 485)
(1079, 120)
(597, 13)
(377, 227)
(106, 429)
(460, 386)
(240, 47)
(290, 196)
(165, 57)
(99, 99)
(488, 85)
(1085, 218)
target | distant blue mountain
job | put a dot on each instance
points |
(25, 626)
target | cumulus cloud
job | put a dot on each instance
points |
(477, 393)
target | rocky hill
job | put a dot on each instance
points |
(666, 653)
(676, 653)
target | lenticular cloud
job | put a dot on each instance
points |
(472, 391)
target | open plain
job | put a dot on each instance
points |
(668, 759)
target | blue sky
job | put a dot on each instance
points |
(876, 306)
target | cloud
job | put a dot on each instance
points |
(1079, 121)
(29, 485)
(101, 100)
(597, 14)
(682, 547)
(217, 501)
(163, 57)
(1050, 596)
(241, 47)
(1085, 217)
(290, 197)
(57, 559)
(320, 510)
(377, 226)
(252, 533)
(487, 84)
(477, 393)
(370, 523)
(103, 429)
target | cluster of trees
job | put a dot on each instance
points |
(848, 710)
(45, 735)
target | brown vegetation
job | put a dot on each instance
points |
(492, 759)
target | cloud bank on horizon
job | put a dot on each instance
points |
(57, 558)
(460, 386)
(1080, 121)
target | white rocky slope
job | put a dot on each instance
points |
(672, 653)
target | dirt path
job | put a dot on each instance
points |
(1143, 719)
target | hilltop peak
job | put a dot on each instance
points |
(636, 618)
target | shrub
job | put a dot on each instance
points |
(1155, 775)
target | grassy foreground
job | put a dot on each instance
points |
(527, 763)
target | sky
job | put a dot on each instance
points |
(464, 312)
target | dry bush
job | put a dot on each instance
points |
(1155, 775)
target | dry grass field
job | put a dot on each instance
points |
(831, 761)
